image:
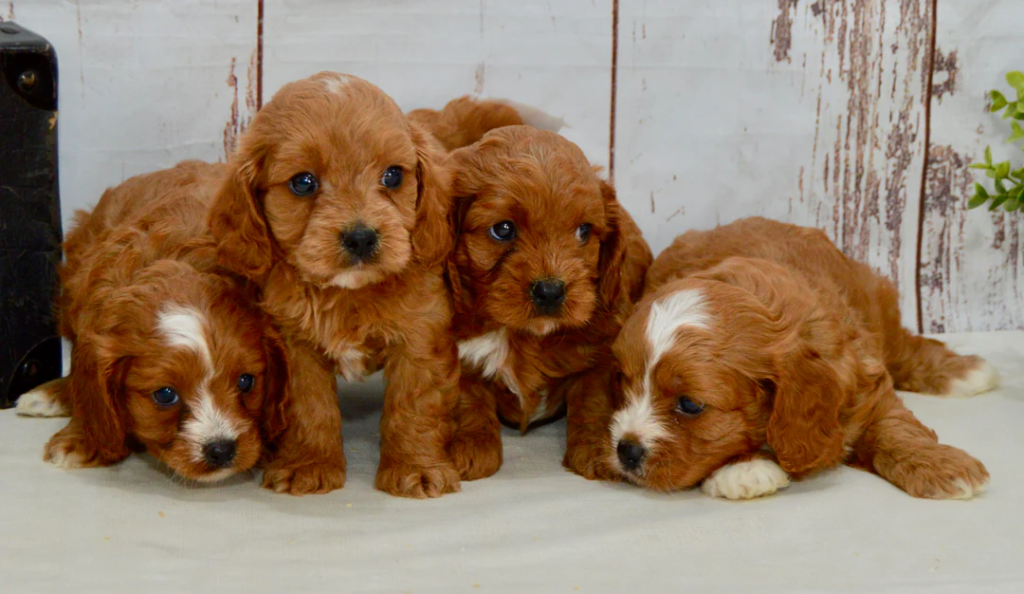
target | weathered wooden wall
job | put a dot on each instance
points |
(856, 116)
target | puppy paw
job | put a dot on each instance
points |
(418, 482)
(590, 464)
(476, 455)
(41, 402)
(70, 450)
(941, 472)
(981, 378)
(746, 480)
(306, 479)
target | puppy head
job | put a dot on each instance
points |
(539, 242)
(332, 178)
(180, 363)
(728, 362)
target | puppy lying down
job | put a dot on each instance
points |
(169, 354)
(761, 353)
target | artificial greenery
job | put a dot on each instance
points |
(1008, 184)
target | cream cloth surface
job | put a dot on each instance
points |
(533, 527)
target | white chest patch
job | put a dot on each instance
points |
(489, 353)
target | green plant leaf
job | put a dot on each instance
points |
(988, 155)
(1011, 205)
(1000, 187)
(1020, 93)
(1018, 174)
(979, 190)
(1018, 133)
(977, 201)
(978, 166)
(1015, 78)
(998, 100)
(1003, 170)
(1011, 111)
(997, 201)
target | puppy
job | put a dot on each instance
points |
(337, 206)
(545, 268)
(760, 352)
(168, 355)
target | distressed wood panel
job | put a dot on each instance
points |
(552, 55)
(971, 265)
(809, 112)
(144, 84)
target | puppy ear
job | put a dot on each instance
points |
(799, 350)
(804, 429)
(277, 386)
(96, 391)
(433, 235)
(625, 256)
(236, 217)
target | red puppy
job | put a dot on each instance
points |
(168, 354)
(337, 205)
(760, 352)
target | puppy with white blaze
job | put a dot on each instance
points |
(760, 354)
(169, 355)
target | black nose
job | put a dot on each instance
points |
(219, 453)
(631, 454)
(360, 242)
(548, 295)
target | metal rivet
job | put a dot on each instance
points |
(27, 81)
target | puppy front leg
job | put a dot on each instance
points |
(73, 447)
(307, 456)
(417, 423)
(588, 417)
(476, 448)
(908, 454)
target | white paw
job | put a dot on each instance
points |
(40, 403)
(63, 459)
(746, 480)
(968, 491)
(978, 380)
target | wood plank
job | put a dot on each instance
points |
(807, 112)
(145, 86)
(551, 55)
(971, 265)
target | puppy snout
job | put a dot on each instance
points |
(219, 453)
(548, 295)
(631, 454)
(360, 242)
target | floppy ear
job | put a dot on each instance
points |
(804, 430)
(236, 218)
(277, 386)
(96, 390)
(625, 256)
(433, 236)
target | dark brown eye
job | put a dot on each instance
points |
(303, 184)
(166, 396)
(392, 177)
(504, 231)
(689, 407)
(583, 232)
(245, 383)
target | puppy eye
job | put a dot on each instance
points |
(165, 397)
(504, 231)
(583, 232)
(392, 177)
(689, 407)
(303, 184)
(245, 383)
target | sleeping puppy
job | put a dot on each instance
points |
(545, 268)
(760, 353)
(336, 205)
(168, 355)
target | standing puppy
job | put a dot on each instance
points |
(761, 352)
(336, 205)
(169, 354)
(545, 268)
